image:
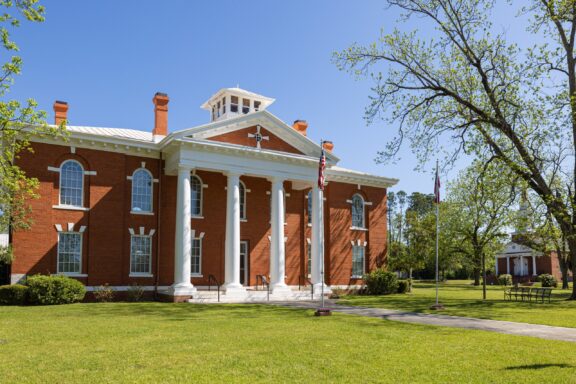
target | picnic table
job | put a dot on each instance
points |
(527, 294)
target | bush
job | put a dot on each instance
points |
(135, 292)
(381, 282)
(403, 286)
(13, 294)
(49, 290)
(104, 294)
(505, 280)
(547, 280)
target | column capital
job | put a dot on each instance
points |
(184, 168)
(276, 179)
(232, 174)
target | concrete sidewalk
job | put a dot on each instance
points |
(508, 327)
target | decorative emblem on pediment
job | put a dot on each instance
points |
(258, 136)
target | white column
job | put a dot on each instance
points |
(318, 239)
(183, 237)
(496, 267)
(277, 247)
(534, 266)
(232, 245)
(507, 265)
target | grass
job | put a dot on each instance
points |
(461, 298)
(184, 343)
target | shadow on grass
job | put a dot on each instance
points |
(180, 312)
(538, 366)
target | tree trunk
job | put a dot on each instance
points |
(563, 269)
(572, 248)
(483, 276)
(410, 281)
(476, 277)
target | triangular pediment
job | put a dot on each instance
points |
(275, 135)
(514, 248)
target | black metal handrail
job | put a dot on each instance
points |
(305, 279)
(264, 282)
(212, 278)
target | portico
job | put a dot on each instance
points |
(233, 162)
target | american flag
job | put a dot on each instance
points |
(437, 187)
(321, 167)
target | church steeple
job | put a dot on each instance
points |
(233, 102)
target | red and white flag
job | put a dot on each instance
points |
(437, 187)
(321, 167)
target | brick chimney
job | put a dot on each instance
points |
(160, 101)
(60, 112)
(328, 145)
(300, 126)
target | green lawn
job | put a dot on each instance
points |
(461, 298)
(173, 343)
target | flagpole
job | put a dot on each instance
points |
(322, 311)
(437, 306)
(321, 219)
(437, 233)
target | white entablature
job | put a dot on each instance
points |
(232, 102)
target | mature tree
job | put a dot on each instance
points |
(18, 122)
(467, 89)
(478, 202)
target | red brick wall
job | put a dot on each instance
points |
(241, 137)
(338, 234)
(106, 241)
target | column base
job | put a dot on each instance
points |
(234, 289)
(318, 289)
(181, 289)
(280, 288)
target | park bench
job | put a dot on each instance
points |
(527, 294)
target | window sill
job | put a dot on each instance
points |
(197, 217)
(142, 213)
(309, 225)
(70, 208)
(356, 277)
(70, 274)
(243, 220)
(196, 275)
(140, 275)
(359, 229)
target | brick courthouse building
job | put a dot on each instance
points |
(235, 198)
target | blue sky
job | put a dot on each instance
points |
(108, 58)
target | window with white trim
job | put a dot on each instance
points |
(140, 254)
(196, 257)
(245, 106)
(142, 186)
(69, 252)
(358, 260)
(242, 201)
(223, 105)
(234, 104)
(196, 195)
(358, 211)
(71, 183)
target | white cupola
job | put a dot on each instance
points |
(233, 102)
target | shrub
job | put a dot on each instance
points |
(104, 294)
(381, 282)
(49, 290)
(505, 280)
(403, 286)
(547, 280)
(135, 292)
(13, 294)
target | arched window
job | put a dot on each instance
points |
(71, 183)
(142, 191)
(196, 195)
(358, 212)
(310, 207)
(242, 201)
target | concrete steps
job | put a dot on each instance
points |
(251, 296)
